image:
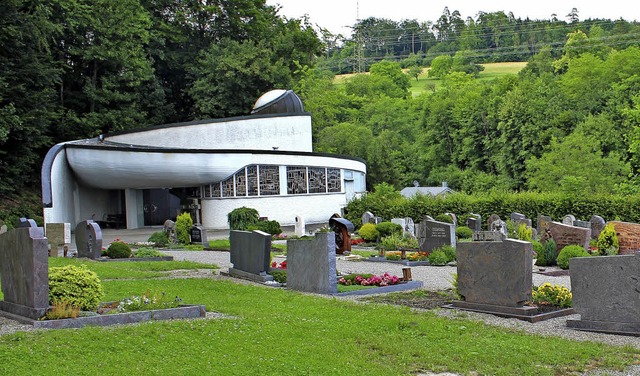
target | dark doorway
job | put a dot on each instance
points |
(159, 205)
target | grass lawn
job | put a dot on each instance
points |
(280, 332)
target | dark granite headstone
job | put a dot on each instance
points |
(89, 239)
(515, 217)
(250, 253)
(597, 224)
(475, 222)
(606, 293)
(434, 234)
(24, 272)
(311, 264)
(198, 235)
(495, 273)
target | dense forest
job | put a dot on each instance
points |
(569, 121)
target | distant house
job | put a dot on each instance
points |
(443, 190)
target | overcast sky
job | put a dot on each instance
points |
(338, 15)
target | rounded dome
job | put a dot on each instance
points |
(278, 102)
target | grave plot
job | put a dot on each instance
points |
(496, 277)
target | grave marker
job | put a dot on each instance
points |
(474, 222)
(24, 272)
(59, 235)
(565, 235)
(492, 218)
(628, 237)
(568, 220)
(311, 264)
(543, 224)
(300, 228)
(367, 217)
(434, 234)
(250, 254)
(597, 224)
(89, 239)
(199, 235)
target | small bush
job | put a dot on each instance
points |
(183, 228)
(148, 252)
(62, 310)
(449, 251)
(556, 295)
(75, 286)
(464, 232)
(568, 252)
(368, 232)
(525, 232)
(388, 228)
(119, 250)
(270, 227)
(160, 238)
(537, 249)
(438, 258)
(395, 242)
(444, 218)
(242, 218)
(279, 275)
(608, 241)
(548, 255)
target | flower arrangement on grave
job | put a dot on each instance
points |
(548, 294)
(393, 256)
(369, 280)
(417, 256)
(276, 265)
(356, 241)
(147, 301)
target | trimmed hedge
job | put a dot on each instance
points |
(531, 204)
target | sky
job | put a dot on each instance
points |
(338, 15)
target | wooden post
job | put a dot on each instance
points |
(406, 274)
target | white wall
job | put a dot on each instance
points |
(287, 133)
(62, 193)
(313, 208)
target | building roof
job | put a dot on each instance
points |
(433, 191)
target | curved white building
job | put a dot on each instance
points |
(143, 177)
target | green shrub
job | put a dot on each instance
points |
(160, 238)
(547, 257)
(556, 295)
(525, 232)
(388, 228)
(464, 232)
(438, 258)
(568, 252)
(537, 249)
(242, 218)
(449, 251)
(608, 241)
(368, 232)
(183, 228)
(119, 250)
(76, 286)
(279, 275)
(148, 252)
(444, 218)
(270, 227)
(395, 242)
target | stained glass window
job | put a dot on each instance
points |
(241, 183)
(227, 188)
(215, 190)
(333, 180)
(252, 180)
(296, 180)
(317, 181)
(269, 180)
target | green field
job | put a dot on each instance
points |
(426, 85)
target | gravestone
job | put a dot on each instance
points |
(311, 264)
(492, 218)
(495, 276)
(399, 221)
(454, 218)
(410, 227)
(519, 219)
(568, 220)
(199, 236)
(474, 222)
(501, 227)
(488, 236)
(367, 217)
(89, 239)
(583, 224)
(342, 228)
(170, 228)
(515, 217)
(543, 224)
(300, 227)
(24, 272)
(26, 222)
(250, 254)
(3, 227)
(59, 235)
(606, 294)
(597, 224)
(628, 237)
(565, 235)
(434, 234)
(375, 220)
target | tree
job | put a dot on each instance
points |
(441, 66)
(415, 71)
